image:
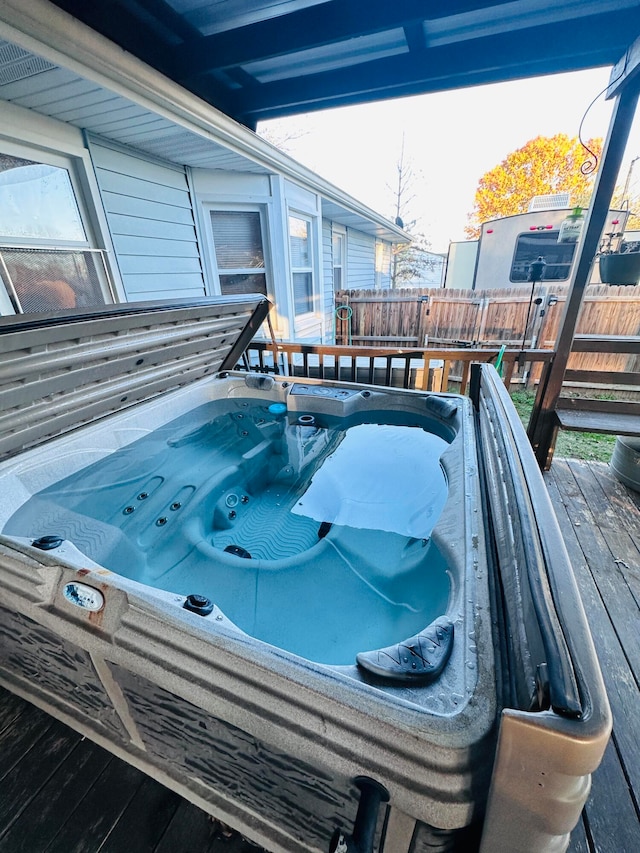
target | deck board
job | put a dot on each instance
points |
(600, 523)
(60, 793)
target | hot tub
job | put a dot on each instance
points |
(310, 532)
(260, 589)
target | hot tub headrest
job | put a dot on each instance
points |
(441, 407)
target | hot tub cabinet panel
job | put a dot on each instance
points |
(227, 700)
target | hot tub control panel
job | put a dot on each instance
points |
(324, 391)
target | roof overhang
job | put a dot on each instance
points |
(272, 58)
(48, 53)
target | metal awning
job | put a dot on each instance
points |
(272, 58)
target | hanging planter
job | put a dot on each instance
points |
(619, 260)
(620, 268)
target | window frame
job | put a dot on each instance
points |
(210, 207)
(85, 192)
(311, 221)
(341, 232)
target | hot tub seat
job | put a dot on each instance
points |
(419, 659)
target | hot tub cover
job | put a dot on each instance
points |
(94, 362)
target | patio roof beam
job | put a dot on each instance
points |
(314, 26)
(440, 68)
(542, 428)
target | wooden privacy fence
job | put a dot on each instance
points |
(483, 318)
(514, 317)
(422, 369)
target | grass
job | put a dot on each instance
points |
(574, 445)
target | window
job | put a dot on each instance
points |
(37, 202)
(530, 246)
(45, 260)
(339, 246)
(301, 264)
(237, 237)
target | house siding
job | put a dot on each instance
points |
(383, 274)
(361, 251)
(327, 280)
(150, 216)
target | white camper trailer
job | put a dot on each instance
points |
(509, 245)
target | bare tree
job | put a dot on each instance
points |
(281, 134)
(410, 261)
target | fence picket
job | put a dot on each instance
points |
(436, 317)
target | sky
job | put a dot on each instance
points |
(451, 139)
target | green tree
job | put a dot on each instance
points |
(543, 166)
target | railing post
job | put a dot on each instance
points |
(542, 428)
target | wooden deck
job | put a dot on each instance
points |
(60, 793)
(600, 522)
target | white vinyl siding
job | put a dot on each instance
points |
(149, 212)
(383, 265)
(327, 279)
(361, 250)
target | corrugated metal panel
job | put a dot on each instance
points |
(143, 202)
(360, 259)
(63, 370)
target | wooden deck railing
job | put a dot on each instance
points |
(422, 369)
(617, 409)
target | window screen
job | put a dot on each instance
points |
(531, 245)
(237, 237)
(51, 280)
(302, 292)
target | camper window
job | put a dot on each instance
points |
(531, 245)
